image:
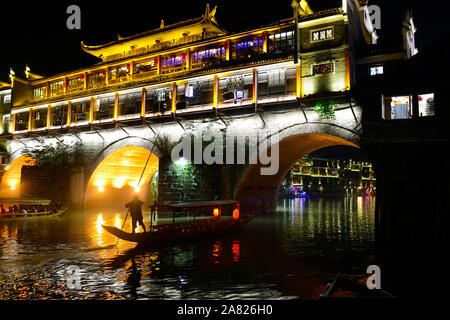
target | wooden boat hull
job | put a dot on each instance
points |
(22, 216)
(182, 234)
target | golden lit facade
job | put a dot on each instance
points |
(190, 67)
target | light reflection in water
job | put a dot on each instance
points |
(330, 235)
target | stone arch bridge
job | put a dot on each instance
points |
(126, 150)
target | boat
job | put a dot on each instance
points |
(165, 234)
(48, 211)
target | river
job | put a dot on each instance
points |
(290, 254)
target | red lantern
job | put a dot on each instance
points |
(128, 67)
(236, 214)
(104, 72)
(216, 212)
(82, 76)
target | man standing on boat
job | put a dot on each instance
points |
(135, 207)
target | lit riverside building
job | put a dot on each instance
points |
(195, 66)
(178, 75)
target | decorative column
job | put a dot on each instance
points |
(116, 107)
(30, 121)
(158, 64)
(174, 98)
(347, 70)
(143, 102)
(85, 84)
(265, 48)
(299, 81)
(13, 120)
(66, 82)
(49, 117)
(69, 113)
(255, 88)
(91, 110)
(107, 76)
(216, 92)
(227, 50)
(188, 59)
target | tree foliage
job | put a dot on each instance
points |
(326, 109)
(57, 156)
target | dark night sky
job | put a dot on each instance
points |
(36, 33)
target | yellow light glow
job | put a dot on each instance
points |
(101, 189)
(10, 183)
(119, 183)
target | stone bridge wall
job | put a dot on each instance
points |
(286, 123)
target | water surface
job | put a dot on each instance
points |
(290, 254)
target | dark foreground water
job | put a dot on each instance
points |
(288, 255)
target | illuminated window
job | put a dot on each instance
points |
(145, 66)
(173, 63)
(281, 41)
(39, 92)
(21, 121)
(426, 105)
(323, 68)
(119, 72)
(56, 88)
(97, 79)
(80, 111)
(325, 34)
(39, 118)
(130, 103)
(59, 115)
(376, 70)
(395, 108)
(7, 98)
(247, 48)
(158, 100)
(75, 84)
(206, 57)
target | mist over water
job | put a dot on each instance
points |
(286, 255)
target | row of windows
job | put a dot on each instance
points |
(194, 93)
(245, 48)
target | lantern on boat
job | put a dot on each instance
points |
(216, 212)
(236, 212)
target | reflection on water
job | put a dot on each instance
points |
(290, 254)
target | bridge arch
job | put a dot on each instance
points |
(129, 141)
(11, 180)
(259, 193)
(116, 176)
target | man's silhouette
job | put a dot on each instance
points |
(135, 207)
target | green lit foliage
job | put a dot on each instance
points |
(326, 109)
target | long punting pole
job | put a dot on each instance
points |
(140, 179)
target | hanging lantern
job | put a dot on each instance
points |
(216, 212)
(128, 67)
(236, 214)
(81, 76)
